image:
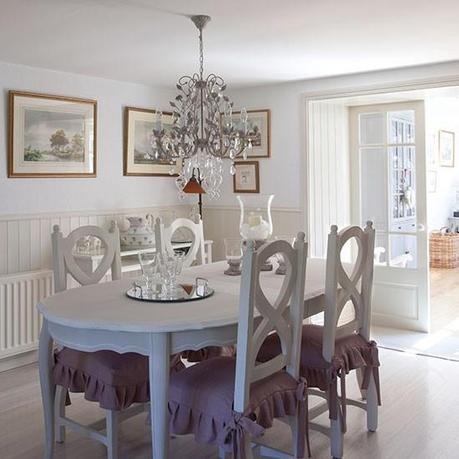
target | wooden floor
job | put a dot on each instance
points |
(444, 300)
(419, 418)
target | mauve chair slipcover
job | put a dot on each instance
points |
(114, 380)
(209, 352)
(351, 352)
(201, 403)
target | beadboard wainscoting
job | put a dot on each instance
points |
(26, 271)
(329, 174)
(223, 221)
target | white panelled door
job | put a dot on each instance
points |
(388, 182)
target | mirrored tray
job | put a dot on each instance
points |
(183, 292)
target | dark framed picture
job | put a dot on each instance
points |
(138, 153)
(247, 177)
(446, 148)
(51, 136)
(259, 130)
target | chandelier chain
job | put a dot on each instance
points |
(201, 54)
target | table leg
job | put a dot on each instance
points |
(47, 387)
(159, 388)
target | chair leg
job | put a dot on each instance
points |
(294, 423)
(59, 406)
(372, 405)
(112, 434)
(336, 435)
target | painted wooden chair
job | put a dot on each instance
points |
(227, 401)
(164, 235)
(331, 351)
(115, 380)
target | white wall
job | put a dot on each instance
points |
(442, 113)
(110, 189)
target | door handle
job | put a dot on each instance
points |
(421, 227)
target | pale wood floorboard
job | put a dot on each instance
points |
(444, 297)
(419, 418)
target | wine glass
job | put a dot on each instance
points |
(149, 265)
(168, 269)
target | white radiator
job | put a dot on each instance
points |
(20, 321)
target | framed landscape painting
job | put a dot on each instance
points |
(51, 136)
(138, 153)
(259, 131)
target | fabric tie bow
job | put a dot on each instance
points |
(233, 434)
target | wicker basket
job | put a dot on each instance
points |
(444, 250)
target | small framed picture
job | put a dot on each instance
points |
(446, 148)
(259, 122)
(432, 151)
(51, 136)
(138, 152)
(247, 177)
(431, 181)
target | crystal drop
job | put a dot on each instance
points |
(244, 154)
(232, 169)
(172, 170)
(244, 116)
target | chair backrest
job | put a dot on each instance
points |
(342, 288)
(64, 257)
(163, 238)
(259, 315)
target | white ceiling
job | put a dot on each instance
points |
(247, 42)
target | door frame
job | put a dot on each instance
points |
(368, 90)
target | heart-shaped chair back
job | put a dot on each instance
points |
(348, 285)
(67, 261)
(265, 308)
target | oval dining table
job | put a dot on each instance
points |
(102, 317)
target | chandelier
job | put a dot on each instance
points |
(204, 130)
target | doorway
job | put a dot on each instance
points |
(405, 213)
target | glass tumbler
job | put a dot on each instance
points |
(233, 254)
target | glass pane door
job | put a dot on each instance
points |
(387, 154)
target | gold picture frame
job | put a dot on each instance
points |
(247, 177)
(138, 128)
(260, 120)
(51, 136)
(446, 148)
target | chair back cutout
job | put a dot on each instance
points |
(342, 288)
(163, 239)
(64, 261)
(264, 311)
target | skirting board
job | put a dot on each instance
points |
(18, 360)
